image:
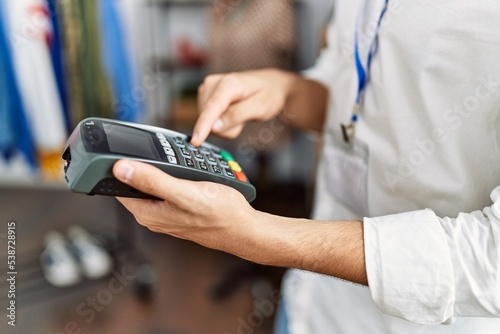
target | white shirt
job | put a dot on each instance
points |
(431, 126)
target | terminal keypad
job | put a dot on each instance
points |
(215, 161)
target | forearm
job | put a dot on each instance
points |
(326, 247)
(219, 217)
(306, 102)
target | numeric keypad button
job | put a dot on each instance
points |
(198, 156)
(185, 153)
(204, 166)
(179, 142)
(204, 150)
(216, 153)
(190, 146)
(223, 163)
(216, 169)
(211, 160)
(229, 173)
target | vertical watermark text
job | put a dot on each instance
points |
(11, 273)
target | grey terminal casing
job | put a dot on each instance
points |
(97, 143)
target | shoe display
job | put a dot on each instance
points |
(58, 264)
(93, 259)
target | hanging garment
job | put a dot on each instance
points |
(95, 84)
(88, 89)
(15, 136)
(70, 35)
(57, 61)
(30, 27)
(116, 58)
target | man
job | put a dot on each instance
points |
(427, 136)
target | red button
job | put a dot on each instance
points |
(241, 177)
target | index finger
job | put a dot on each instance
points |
(228, 91)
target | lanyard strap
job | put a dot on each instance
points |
(348, 130)
(362, 72)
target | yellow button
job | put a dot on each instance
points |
(234, 166)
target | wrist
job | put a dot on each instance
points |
(287, 80)
(238, 236)
(269, 239)
(291, 85)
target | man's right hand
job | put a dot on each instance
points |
(227, 101)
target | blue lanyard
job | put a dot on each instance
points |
(348, 130)
(362, 73)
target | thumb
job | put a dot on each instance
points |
(151, 180)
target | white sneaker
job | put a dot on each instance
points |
(94, 260)
(58, 264)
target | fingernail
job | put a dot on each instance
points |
(195, 137)
(125, 172)
(218, 125)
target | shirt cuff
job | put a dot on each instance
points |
(409, 267)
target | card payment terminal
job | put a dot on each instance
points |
(97, 143)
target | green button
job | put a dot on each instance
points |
(226, 156)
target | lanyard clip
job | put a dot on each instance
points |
(349, 129)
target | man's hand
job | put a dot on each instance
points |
(227, 101)
(219, 217)
(204, 212)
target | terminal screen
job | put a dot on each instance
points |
(130, 142)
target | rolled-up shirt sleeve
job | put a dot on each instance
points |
(427, 269)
